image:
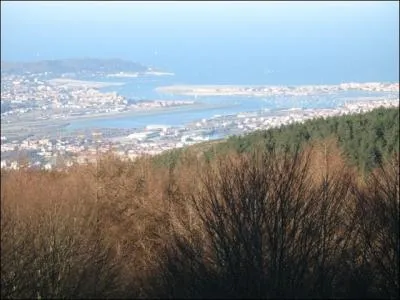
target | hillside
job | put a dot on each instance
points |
(246, 220)
(365, 139)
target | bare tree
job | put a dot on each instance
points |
(378, 213)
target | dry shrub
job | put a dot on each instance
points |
(51, 246)
(379, 240)
(326, 157)
(261, 224)
(266, 231)
(88, 232)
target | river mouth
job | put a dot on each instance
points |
(208, 107)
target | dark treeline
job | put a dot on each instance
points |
(262, 222)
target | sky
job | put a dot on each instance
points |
(164, 33)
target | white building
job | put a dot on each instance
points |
(3, 164)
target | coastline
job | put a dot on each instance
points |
(82, 83)
(37, 126)
(136, 112)
(270, 90)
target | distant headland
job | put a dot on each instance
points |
(74, 66)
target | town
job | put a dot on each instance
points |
(36, 107)
(67, 150)
(28, 97)
(262, 91)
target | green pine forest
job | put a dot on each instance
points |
(366, 139)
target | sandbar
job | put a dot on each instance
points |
(67, 82)
(266, 90)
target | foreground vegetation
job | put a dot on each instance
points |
(261, 223)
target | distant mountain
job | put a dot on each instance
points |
(81, 65)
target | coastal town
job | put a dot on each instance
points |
(49, 153)
(28, 98)
(36, 108)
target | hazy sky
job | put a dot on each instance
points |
(157, 31)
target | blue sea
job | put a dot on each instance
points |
(206, 107)
(252, 43)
